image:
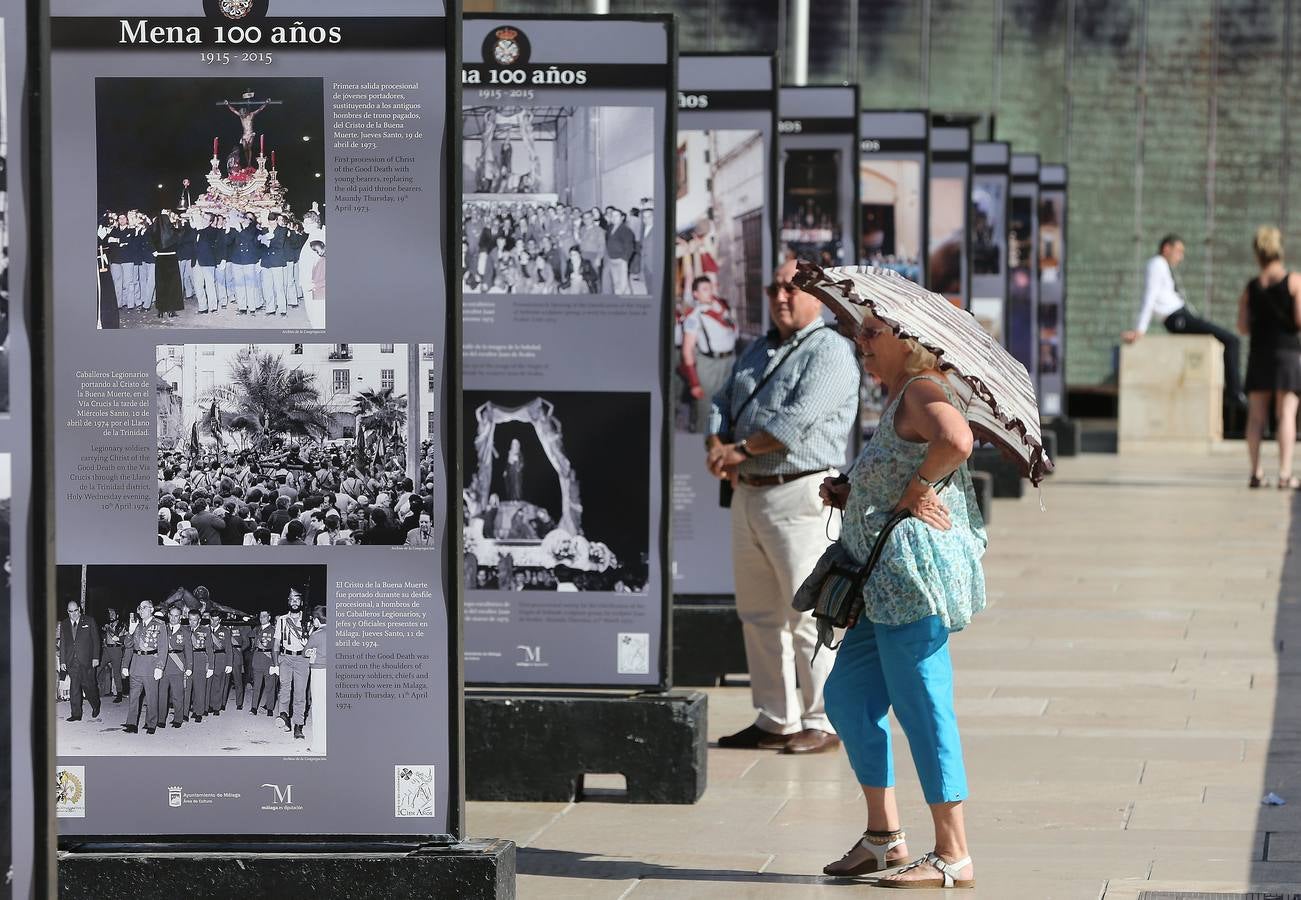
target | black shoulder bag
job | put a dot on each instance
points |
(725, 486)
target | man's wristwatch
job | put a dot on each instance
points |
(743, 449)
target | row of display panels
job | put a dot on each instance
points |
(521, 460)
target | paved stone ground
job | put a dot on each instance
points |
(1122, 703)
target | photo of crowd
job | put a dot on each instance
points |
(721, 177)
(810, 226)
(546, 509)
(292, 445)
(221, 224)
(890, 193)
(558, 200)
(168, 649)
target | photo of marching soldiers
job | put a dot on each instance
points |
(719, 277)
(235, 239)
(192, 660)
(548, 507)
(558, 200)
(296, 444)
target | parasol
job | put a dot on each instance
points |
(992, 385)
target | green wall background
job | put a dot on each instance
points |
(1172, 115)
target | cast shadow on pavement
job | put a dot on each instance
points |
(571, 864)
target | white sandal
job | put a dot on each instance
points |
(946, 870)
(878, 843)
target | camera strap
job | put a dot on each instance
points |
(768, 376)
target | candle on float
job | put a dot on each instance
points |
(214, 146)
(262, 144)
(273, 159)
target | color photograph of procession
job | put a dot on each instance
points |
(558, 201)
(192, 660)
(216, 220)
(288, 445)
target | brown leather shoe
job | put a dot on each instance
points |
(811, 740)
(753, 738)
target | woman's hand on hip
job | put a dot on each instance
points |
(925, 504)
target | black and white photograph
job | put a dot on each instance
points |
(890, 194)
(554, 491)
(211, 202)
(192, 660)
(718, 262)
(988, 228)
(810, 228)
(284, 445)
(559, 200)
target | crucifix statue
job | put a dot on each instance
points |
(247, 110)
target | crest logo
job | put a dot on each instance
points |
(235, 9)
(506, 46)
(70, 792)
(174, 796)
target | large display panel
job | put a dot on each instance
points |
(990, 202)
(1023, 262)
(25, 824)
(567, 290)
(948, 248)
(894, 192)
(723, 256)
(817, 139)
(1052, 290)
(257, 531)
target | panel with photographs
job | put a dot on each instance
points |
(1052, 251)
(190, 660)
(558, 200)
(718, 265)
(295, 445)
(947, 224)
(547, 507)
(1020, 266)
(890, 194)
(218, 221)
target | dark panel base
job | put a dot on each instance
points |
(1067, 433)
(1008, 482)
(538, 747)
(473, 870)
(707, 643)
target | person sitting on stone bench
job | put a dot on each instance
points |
(1163, 297)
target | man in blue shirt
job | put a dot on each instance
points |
(777, 426)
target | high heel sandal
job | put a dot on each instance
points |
(1255, 482)
(1288, 482)
(946, 870)
(878, 844)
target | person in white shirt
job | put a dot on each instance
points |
(709, 336)
(1163, 298)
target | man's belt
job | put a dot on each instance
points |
(145, 652)
(724, 355)
(293, 652)
(770, 480)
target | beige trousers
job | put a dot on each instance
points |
(778, 533)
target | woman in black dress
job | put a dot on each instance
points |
(167, 271)
(1270, 311)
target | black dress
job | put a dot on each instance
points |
(1274, 363)
(167, 271)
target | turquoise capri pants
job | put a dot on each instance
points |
(906, 667)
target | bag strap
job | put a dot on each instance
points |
(771, 372)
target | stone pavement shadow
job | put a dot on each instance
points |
(572, 864)
(1283, 763)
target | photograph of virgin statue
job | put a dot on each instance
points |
(547, 508)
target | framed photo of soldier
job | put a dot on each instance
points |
(218, 221)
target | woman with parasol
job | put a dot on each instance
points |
(928, 580)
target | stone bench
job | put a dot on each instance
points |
(1171, 394)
